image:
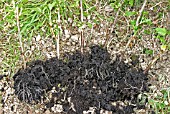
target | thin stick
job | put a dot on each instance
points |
(58, 38)
(114, 25)
(151, 64)
(140, 12)
(20, 37)
(137, 23)
(81, 34)
(108, 32)
(151, 8)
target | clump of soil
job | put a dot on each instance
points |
(81, 81)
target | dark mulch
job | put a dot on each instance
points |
(88, 80)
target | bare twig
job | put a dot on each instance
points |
(20, 37)
(140, 12)
(112, 29)
(151, 64)
(137, 23)
(151, 8)
(129, 41)
(114, 23)
(81, 34)
(58, 38)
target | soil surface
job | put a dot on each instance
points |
(82, 83)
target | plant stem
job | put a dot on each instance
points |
(137, 23)
(151, 63)
(20, 37)
(58, 38)
(81, 33)
(140, 12)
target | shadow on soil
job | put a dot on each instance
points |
(82, 81)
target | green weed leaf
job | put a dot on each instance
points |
(146, 21)
(129, 13)
(131, 2)
(90, 25)
(133, 22)
(162, 39)
(161, 31)
(148, 51)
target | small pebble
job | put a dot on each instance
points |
(68, 43)
(38, 38)
(88, 17)
(108, 8)
(36, 111)
(143, 65)
(74, 37)
(70, 20)
(57, 108)
(67, 33)
(42, 42)
(32, 48)
(49, 49)
(84, 26)
(67, 36)
(73, 43)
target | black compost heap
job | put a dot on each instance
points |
(87, 80)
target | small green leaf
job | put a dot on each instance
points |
(89, 25)
(112, 5)
(133, 22)
(152, 101)
(146, 21)
(161, 31)
(148, 51)
(147, 31)
(85, 14)
(162, 39)
(129, 13)
(131, 2)
(168, 32)
(115, 6)
(93, 8)
(162, 105)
